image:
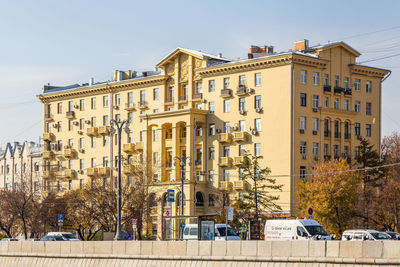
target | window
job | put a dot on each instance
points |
(211, 129)
(257, 149)
(105, 101)
(16, 168)
(368, 86)
(357, 151)
(59, 128)
(346, 130)
(199, 131)
(346, 104)
(199, 86)
(326, 102)
(82, 104)
(242, 150)
(242, 80)
(357, 84)
(226, 83)
(315, 149)
(211, 106)
(346, 82)
(105, 140)
(226, 106)
(211, 85)
(81, 183)
(156, 94)
(303, 76)
(326, 79)
(336, 81)
(226, 151)
(326, 150)
(59, 185)
(336, 129)
(93, 162)
(257, 124)
(71, 143)
(93, 141)
(93, 121)
(70, 164)
(118, 117)
(303, 148)
(346, 151)
(82, 143)
(93, 103)
(315, 101)
(315, 124)
(226, 175)
(336, 151)
(302, 172)
(81, 164)
(117, 100)
(303, 99)
(130, 99)
(257, 79)
(302, 123)
(257, 101)
(227, 127)
(368, 130)
(242, 104)
(211, 176)
(315, 78)
(105, 161)
(70, 105)
(357, 130)
(81, 124)
(36, 166)
(368, 108)
(155, 135)
(242, 125)
(59, 108)
(142, 97)
(70, 125)
(357, 106)
(336, 103)
(211, 153)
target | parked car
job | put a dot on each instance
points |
(394, 235)
(32, 239)
(9, 239)
(294, 230)
(67, 235)
(361, 234)
(190, 232)
(53, 238)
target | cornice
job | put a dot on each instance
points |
(368, 71)
(173, 113)
(103, 88)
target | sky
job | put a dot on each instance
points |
(66, 42)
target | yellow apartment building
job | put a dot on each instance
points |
(294, 108)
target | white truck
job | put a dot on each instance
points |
(294, 230)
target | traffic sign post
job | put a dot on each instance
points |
(134, 228)
(310, 212)
(171, 195)
(60, 221)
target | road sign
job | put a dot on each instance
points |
(167, 213)
(60, 223)
(310, 211)
(134, 227)
(182, 225)
(229, 213)
(133, 221)
(171, 195)
(60, 218)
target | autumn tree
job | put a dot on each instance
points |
(331, 192)
(8, 219)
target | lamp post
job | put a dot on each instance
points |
(119, 124)
(182, 163)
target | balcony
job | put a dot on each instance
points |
(48, 155)
(226, 93)
(347, 91)
(92, 131)
(48, 117)
(50, 137)
(183, 98)
(240, 136)
(92, 171)
(104, 171)
(327, 88)
(143, 104)
(198, 164)
(197, 96)
(238, 161)
(129, 107)
(225, 138)
(226, 186)
(338, 90)
(243, 90)
(225, 162)
(70, 115)
(168, 165)
(327, 134)
(169, 100)
(168, 142)
(104, 130)
(327, 157)
(139, 146)
(69, 153)
(241, 185)
(69, 174)
(128, 148)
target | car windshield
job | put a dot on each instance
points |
(379, 236)
(316, 230)
(69, 236)
(59, 238)
(221, 231)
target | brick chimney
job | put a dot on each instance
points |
(259, 51)
(301, 45)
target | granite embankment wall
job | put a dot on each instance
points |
(200, 253)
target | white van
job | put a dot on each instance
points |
(360, 235)
(294, 230)
(190, 232)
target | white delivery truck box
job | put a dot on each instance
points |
(294, 230)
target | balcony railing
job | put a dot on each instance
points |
(197, 96)
(241, 185)
(104, 171)
(338, 90)
(129, 106)
(69, 153)
(49, 137)
(327, 88)
(240, 136)
(48, 154)
(104, 130)
(226, 93)
(169, 100)
(225, 162)
(238, 161)
(347, 91)
(183, 98)
(142, 104)
(92, 171)
(92, 131)
(225, 186)
(69, 174)
(128, 148)
(225, 138)
(139, 146)
(70, 115)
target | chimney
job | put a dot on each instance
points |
(270, 50)
(301, 45)
(219, 55)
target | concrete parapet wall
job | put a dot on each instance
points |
(221, 253)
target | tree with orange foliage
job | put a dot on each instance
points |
(331, 192)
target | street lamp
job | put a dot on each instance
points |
(119, 124)
(182, 164)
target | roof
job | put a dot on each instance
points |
(336, 44)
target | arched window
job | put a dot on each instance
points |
(199, 199)
(165, 200)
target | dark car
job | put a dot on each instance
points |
(394, 235)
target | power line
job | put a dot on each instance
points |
(379, 58)
(368, 33)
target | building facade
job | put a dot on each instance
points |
(293, 108)
(21, 166)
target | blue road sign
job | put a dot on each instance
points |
(182, 225)
(310, 211)
(60, 217)
(171, 195)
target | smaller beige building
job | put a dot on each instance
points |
(21, 166)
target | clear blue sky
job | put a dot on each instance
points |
(65, 42)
